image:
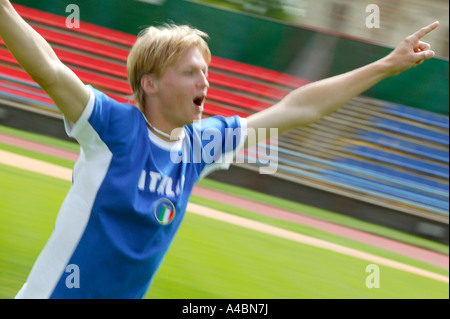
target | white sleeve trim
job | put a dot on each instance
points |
(75, 129)
(243, 134)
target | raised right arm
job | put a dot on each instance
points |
(38, 59)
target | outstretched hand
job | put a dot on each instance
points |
(411, 51)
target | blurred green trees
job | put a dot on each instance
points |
(276, 9)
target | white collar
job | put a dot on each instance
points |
(163, 144)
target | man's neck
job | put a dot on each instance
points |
(174, 135)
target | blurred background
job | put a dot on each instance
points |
(383, 154)
(397, 17)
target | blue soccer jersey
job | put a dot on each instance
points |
(128, 197)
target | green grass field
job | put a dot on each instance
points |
(209, 258)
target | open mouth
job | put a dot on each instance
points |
(199, 100)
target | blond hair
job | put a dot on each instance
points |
(159, 47)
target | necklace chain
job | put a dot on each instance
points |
(170, 137)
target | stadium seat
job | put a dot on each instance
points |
(405, 146)
(402, 161)
(416, 114)
(411, 130)
(403, 176)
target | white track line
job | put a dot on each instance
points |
(265, 228)
(57, 171)
(34, 165)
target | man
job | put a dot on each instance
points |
(128, 195)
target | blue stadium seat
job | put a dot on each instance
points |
(402, 161)
(380, 171)
(383, 170)
(401, 192)
(405, 146)
(416, 114)
(364, 185)
(411, 130)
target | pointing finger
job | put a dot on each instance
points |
(425, 30)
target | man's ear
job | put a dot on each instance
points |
(149, 84)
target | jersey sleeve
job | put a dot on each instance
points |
(106, 121)
(215, 141)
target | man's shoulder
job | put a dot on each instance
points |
(105, 98)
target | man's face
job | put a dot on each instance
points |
(182, 89)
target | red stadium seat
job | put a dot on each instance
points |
(87, 29)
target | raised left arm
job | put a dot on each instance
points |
(311, 102)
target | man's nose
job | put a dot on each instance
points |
(204, 81)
